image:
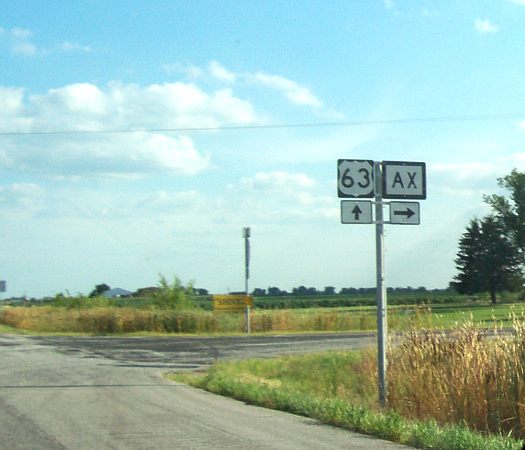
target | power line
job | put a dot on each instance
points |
(465, 118)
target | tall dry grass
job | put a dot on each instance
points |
(310, 320)
(466, 376)
(109, 320)
(116, 320)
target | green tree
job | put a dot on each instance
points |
(510, 211)
(99, 290)
(329, 290)
(487, 259)
(468, 279)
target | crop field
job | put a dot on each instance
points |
(98, 316)
(327, 301)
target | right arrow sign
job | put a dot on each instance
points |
(404, 213)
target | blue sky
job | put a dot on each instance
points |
(88, 207)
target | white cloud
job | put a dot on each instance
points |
(389, 4)
(71, 47)
(467, 170)
(295, 92)
(20, 33)
(217, 70)
(283, 194)
(472, 178)
(464, 193)
(83, 98)
(269, 181)
(518, 2)
(20, 43)
(178, 105)
(189, 71)
(87, 107)
(159, 152)
(22, 198)
(24, 48)
(11, 100)
(485, 26)
(429, 12)
(129, 155)
(475, 169)
(12, 110)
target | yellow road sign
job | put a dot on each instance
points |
(232, 302)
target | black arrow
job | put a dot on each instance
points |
(356, 212)
(409, 213)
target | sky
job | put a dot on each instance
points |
(137, 139)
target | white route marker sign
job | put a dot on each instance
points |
(355, 211)
(404, 213)
(404, 180)
(355, 178)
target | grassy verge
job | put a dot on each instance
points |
(388, 425)
(11, 330)
(451, 392)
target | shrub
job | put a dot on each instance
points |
(174, 295)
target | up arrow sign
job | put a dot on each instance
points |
(356, 211)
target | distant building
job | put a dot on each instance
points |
(116, 293)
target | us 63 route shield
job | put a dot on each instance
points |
(355, 178)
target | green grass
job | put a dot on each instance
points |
(337, 388)
(483, 315)
(11, 330)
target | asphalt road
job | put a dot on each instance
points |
(108, 393)
(193, 353)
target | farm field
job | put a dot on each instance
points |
(107, 317)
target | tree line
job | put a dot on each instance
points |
(273, 291)
(303, 291)
(491, 251)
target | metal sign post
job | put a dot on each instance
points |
(380, 289)
(246, 235)
(357, 179)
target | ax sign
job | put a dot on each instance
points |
(404, 180)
